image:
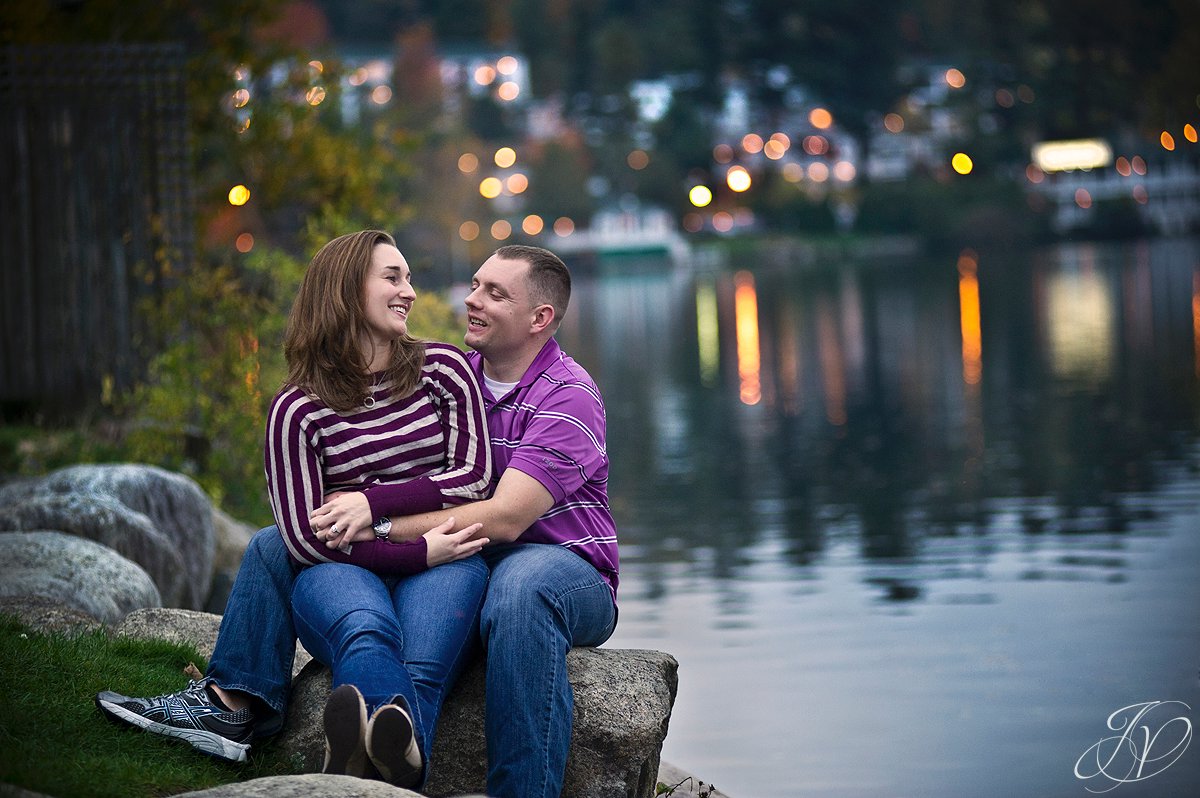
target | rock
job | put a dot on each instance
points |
(48, 615)
(312, 785)
(174, 506)
(623, 701)
(684, 785)
(232, 538)
(198, 629)
(76, 572)
(106, 521)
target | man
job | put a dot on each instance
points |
(546, 420)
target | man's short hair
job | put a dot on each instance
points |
(549, 278)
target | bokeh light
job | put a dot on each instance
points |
(1138, 164)
(517, 183)
(501, 229)
(564, 226)
(381, 95)
(955, 79)
(693, 222)
(820, 118)
(700, 196)
(1189, 132)
(532, 224)
(315, 95)
(894, 123)
(1140, 195)
(239, 195)
(818, 172)
(752, 143)
(738, 179)
(1033, 174)
(240, 98)
(484, 75)
(793, 172)
(1167, 141)
(844, 171)
(722, 221)
(505, 157)
(508, 91)
(815, 145)
(1083, 198)
(1122, 166)
(244, 242)
(468, 231)
(490, 187)
(468, 162)
(722, 153)
(638, 160)
(962, 163)
(506, 65)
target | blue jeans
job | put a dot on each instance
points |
(405, 637)
(257, 642)
(541, 600)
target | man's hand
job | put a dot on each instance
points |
(444, 545)
(350, 512)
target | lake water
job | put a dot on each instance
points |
(911, 527)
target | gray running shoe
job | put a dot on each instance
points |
(188, 715)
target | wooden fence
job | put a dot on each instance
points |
(95, 203)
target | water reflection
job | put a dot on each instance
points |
(884, 474)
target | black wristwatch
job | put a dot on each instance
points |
(382, 527)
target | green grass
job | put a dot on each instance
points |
(53, 739)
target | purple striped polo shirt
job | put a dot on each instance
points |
(421, 452)
(551, 426)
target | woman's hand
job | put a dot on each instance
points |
(349, 512)
(444, 545)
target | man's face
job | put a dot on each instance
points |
(499, 307)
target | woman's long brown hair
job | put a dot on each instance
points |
(327, 325)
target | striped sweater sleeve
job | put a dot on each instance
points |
(295, 487)
(468, 455)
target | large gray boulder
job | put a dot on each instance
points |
(623, 701)
(74, 571)
(312, 785)
(160, 519)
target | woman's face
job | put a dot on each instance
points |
(387, 295)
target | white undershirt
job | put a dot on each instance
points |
(496, 388)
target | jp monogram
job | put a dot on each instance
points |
(1152, 736)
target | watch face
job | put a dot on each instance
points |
(382, 527)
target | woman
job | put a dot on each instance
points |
(372, 413)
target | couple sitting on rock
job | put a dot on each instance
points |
(425, 500)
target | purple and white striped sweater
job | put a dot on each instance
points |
(422, 452)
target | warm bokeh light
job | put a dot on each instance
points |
(820, 118)
(969, 323)
(1033, 174)
(637, 160)
(1138, 164)
(532, 224)
(894, 123)
(793, 172)
(358, 77)
(1061, 156)
(752, 143)
(315, 95)
(815, 145)
(317, 66)
(501, 229)
(468, 162)
(782, 139)
(738, 179)
(962, 163)
(490, 187)
(1189, 132)
(1005, 98)
(1167, 141)
(505, 157)
(508, 91)
(1083, 198)
(381, 95)
(1122, 166)
(693, 222)
(955, 79)
(564, 226)
(239, 195)
(468, 231)
(844, 171)
(1140, 195)
(745, 304)
(722, 221)
(506, 65)
(244, 242)
(484, 75)
(1025, 94)
(240, 98)
(818, 172)
(700, 196)
(722, 153)
(774, 150)
(517, 183)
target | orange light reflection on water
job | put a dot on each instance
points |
(968, 303)
(745, 303)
